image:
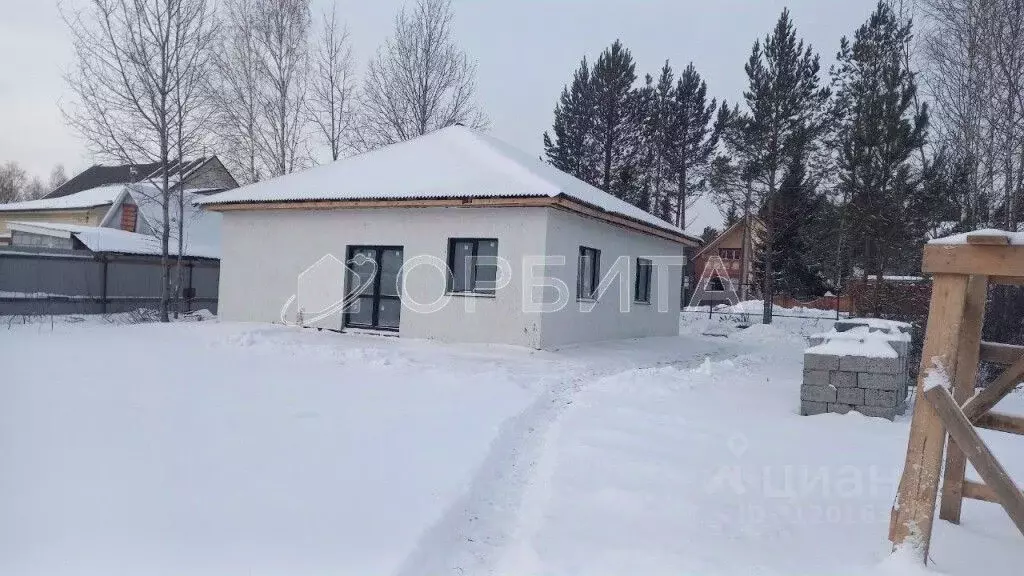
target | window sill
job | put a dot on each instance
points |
(581, 299)
(641, 303)
(469, 294)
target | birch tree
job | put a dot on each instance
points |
(129, 56)
(332, 86)
(419, 81)
(259, 88)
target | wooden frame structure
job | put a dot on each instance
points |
(953, 347)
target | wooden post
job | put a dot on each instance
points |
(914, 511)
(994, 475)
(985, 400)
(963, 389)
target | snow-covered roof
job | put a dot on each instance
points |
(454, 162)
(112, 240)
(91, 198)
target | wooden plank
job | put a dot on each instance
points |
(979, 491)
(998, 353)
(988, 239)
(968, 352)
(988, 467)
(990, 395)
(1001, 422)
(913, 512)
(1007, 280)
(970, 259)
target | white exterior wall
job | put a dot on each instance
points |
(606, 321)
(265, 251)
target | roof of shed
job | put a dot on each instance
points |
(454, 162)
(91, 198)
(111, 240)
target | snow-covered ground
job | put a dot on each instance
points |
(221, 449)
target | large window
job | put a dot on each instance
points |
(589, 273)
(642, 285)
(472, 265)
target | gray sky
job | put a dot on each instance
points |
(525, 50)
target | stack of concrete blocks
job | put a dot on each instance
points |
(861, 365)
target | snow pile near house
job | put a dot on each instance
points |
(792, 324)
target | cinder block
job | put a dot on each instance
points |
(811, 408)
(880, 381)
(869, 364)
(881, 398)
(877, 412)
(843, 379)
(816, 377)
(818, 393)
(839, 408)
(821, 362)
(850, 396)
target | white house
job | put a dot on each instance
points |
(454, 236)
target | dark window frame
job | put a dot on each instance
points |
(595, 273)
(376, 295)
(473, 290)
(731, 251)
(642, 291)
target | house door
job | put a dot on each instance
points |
(374, 280)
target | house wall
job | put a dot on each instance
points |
(614, 315)
(265, 251)
(213, 174)
(83, 217)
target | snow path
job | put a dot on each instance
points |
(484, 531)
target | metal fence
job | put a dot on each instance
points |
(41, 281)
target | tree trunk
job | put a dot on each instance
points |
(681, 198)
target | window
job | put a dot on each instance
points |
(472, 265)
(589, 273)
(729, 253)
(642, 285)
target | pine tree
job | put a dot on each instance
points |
(709, 234)
(663, 134)
(616, 118)
(797, 205)
(694, 138)
(880, 130)
(573, 148)
(785, 114)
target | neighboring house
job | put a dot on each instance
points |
(85, 208)
(737, 246)
(206, 172)
(440, 205)
(92, 206)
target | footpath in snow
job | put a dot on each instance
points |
(216, 448)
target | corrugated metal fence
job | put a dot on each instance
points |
(39, 281)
